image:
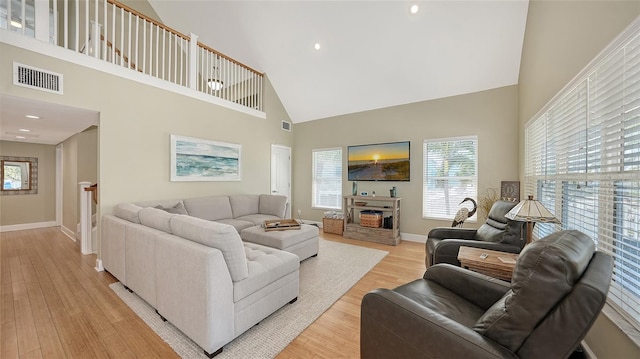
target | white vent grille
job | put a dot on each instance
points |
(286, 126)
(35, 78)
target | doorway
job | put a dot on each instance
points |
(281, 173)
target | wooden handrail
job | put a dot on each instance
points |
(167, 28)
(94, 192)
(228, 58)
(155, 22)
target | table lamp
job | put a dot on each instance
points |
(531, 211)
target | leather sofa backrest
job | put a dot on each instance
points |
(575, 314)
(498, 228)
(545, 273)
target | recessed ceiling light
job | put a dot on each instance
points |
(20, 137)
(414, 9)
(24, 130)
(317, 46)
(32, 116)
(16, 24)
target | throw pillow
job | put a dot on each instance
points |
(177, 209)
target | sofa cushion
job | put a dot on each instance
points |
(177, 209)
(211, 208)
(238, 224)
(545, 272)
(217, 235)
(127, 211)
(244, 204)
(274, 205)
(155, 218)
(266, 265)
(258, 219)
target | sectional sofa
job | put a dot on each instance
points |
(187, 260)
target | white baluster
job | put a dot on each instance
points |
(193, 62)
(85, 218)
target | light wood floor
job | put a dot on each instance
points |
(53, 304)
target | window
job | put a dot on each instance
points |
(326, 188)
(582, 158)
(450, 174)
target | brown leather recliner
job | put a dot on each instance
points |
(559, 286)
(497, 233)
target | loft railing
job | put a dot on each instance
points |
(114, 33)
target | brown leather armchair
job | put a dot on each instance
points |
(559, 286)
(497, 233)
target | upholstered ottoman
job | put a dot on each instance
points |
(302, 242)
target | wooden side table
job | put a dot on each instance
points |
(495, 264)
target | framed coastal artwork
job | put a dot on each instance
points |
(195, 159)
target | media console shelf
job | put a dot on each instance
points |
(389, 206)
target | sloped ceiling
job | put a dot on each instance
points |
(373, 54)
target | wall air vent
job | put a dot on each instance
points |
(286, 126)
(36, 78)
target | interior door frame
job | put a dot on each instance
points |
(273, 172)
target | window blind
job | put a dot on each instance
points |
(450, 173)
(582, 160)
(326, 185)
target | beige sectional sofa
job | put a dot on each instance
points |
(187, 260)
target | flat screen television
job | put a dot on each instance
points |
(379, 162)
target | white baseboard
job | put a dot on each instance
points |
(20, 227)
(587, 351)
(314, 223)
(99, 267)
(69, 233)
(420, 238)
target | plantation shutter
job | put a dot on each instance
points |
(582, 159)
(450, 175)
(327, 178)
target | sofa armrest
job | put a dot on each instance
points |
(477, 288)
(451, 232)
(112, 251)
(394, 326)
(195, 291)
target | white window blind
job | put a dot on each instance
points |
(582, 160)
(450, 173)
(326, 188)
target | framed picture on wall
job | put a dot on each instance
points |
(194, 159)
(510, 191)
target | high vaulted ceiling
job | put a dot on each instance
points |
(373, 54)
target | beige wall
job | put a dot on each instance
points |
(31, 208)
(136, 122)
(561, 38)
(79, 163)
(491, 115)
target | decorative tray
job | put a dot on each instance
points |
(280, 225)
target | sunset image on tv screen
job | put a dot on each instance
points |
(379, 162)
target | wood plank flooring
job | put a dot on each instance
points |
(53, 304)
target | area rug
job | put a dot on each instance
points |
(323, 280)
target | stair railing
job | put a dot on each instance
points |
(135, 41)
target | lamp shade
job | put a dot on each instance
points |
(530, 210)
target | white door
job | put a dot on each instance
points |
(281, 173)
